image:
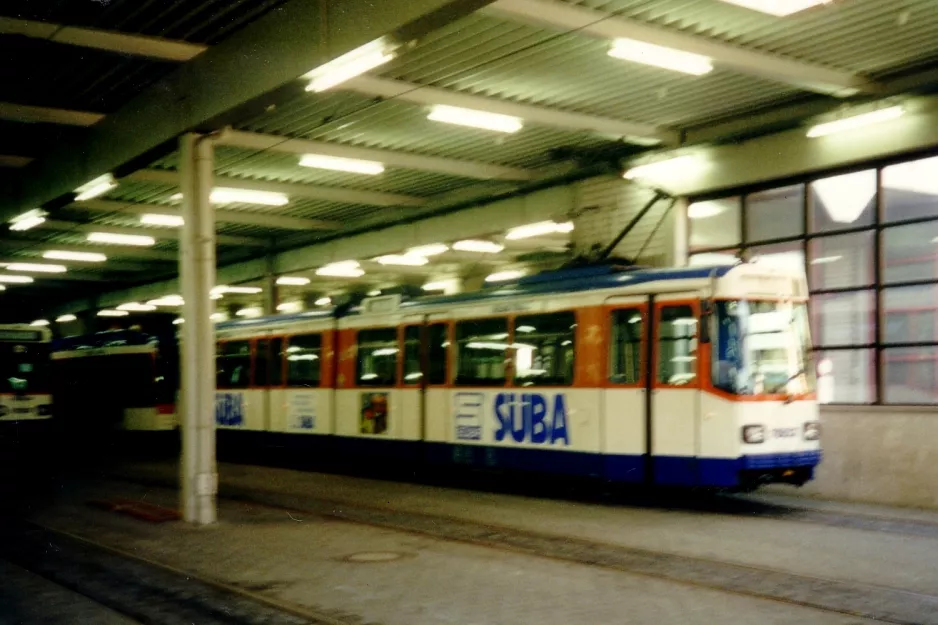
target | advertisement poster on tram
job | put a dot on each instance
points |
(374, 413)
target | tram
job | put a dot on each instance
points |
(689, 377)
(25, 392)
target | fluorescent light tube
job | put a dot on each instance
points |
(27, 220)
(96, 188)
(245, 290)
(336, 163)
(167, 300)
(503, 276)
(480, 247)
(81, 257)
(156, 219)
(661, 169)
(778, 8)
(660, 56)
(289, 307)
(112, 313)
(475, 119)
(218, 316)
(433, 249)
(703, 210)
(178, 320)
(39, 323)
(226, 195)
(404, 260)
(439, 285)
(36, 268)
(66, 318)
(323, 301)
(136, 307)
(121, 239)
(351, 64)
(16, 279)
(856, 121)
(538, 229)
(292, 281)
(251, 311)
(343, 269)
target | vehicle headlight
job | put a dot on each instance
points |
(753, 434)
(812, 431)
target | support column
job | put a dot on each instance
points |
(271, 290)
(197, 275)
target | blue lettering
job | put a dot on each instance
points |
(537, 409)
(538, 421)
(559, 428)
(503, 414)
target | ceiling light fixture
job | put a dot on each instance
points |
(112, 313)
(178, 320)
(81, 257)
(157, 219)
(36, 268)
(289, 307)
(121, 239)
(323, 301)
(479, 247)
(96, 188)
(27, 220)
(225, 195)
(703, 210)
(433, 249)
(250, 311)
(16, 279)
(539, 229)
(439, 285)
(856, 121)
(660, 56)
(342, 269)
(778, 8)
(404, 260)
(218, 316)
(475, 119)
(351, 64)
(136, 307)
(39, 323)
(677, 166)
(504, 276)
(167, 300)
(244, 290)
(337, 163)
(66, 318)
(293, 281)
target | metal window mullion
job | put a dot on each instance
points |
(878, 282)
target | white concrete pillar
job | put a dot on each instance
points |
(197, 275)
(271, 289)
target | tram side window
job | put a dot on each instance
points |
(276, 362)
(482, 345)
(626, 347)
(544, 349)
(233, 364)
(261, 358)
(413, 372)
(377, 357)
(303, 360)
(677, 345)
(437, 353)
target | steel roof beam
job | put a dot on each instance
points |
(121, 43)
(8, 160)
(314, 192)
(225, 216)
(798, 73)
(392, 158)
(156, 233)
(634, 132)
(283, 45)
(44, 115)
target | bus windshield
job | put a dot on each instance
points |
(24, 368)
(762, 348)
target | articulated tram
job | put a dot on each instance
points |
(694, 377)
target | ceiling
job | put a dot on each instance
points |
(544, 61)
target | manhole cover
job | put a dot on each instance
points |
(374, 556)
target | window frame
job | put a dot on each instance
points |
(610, 318)
(516, 382)
(659, 306)
(397, 331)
(250, 379)
(288, 340)
(507, 374)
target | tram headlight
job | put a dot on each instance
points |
(753, 434)
(812, 431)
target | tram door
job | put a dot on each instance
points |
(626, 394)
(674, 419)
(425, 396)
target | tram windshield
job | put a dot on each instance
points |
(24, 368)
(762, 348)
